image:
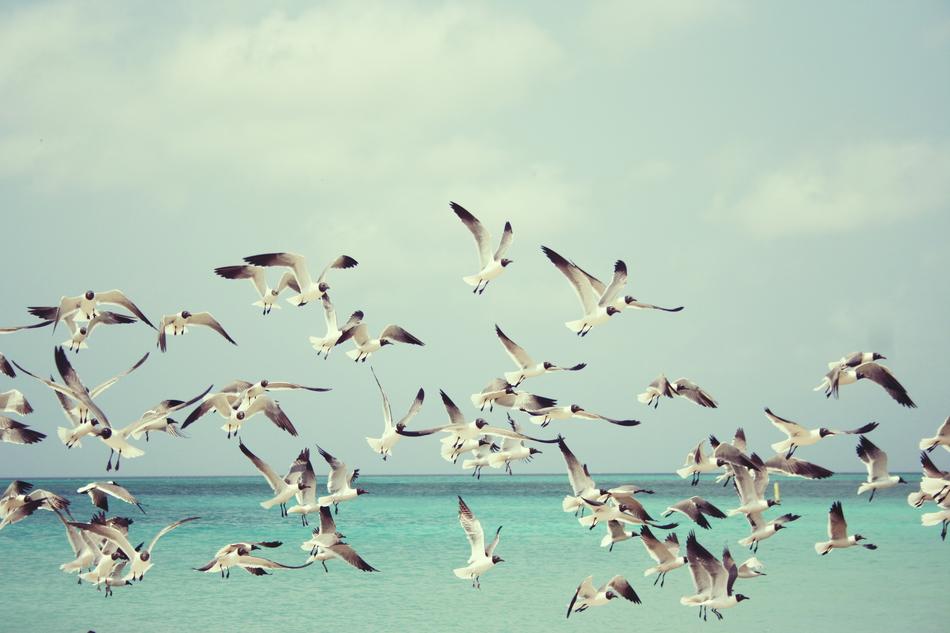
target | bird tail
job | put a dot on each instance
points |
(462, 572)
(296, 300)
(782, 447)
(916, 499)
(823, 548)
(131, 452)
(325, 502)
(65, 435)
(513, 377)
(472, 280)
(606, 541)
(746, 541)
(685, 471)
(570, 504)
(928, 443)
(317, 343)
(864, 488)
(733, 512)
(825, 383)
(586, 520)
(353, 354)
(645, 397)
(928, 519)
(650, 571)
(575, 326)
(468, 464)
(375, 443)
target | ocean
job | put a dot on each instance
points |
(407, 527)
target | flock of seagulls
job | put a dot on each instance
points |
(102, 550)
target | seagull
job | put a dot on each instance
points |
(20, 500)
(463, 435)
(725, 453)
(712, 579)
(752, 490)
(691, 391)
(582, 484)
(847, 373)
(156, 419)
(79, 333)
(751, 568)
(234, 408)
(6, 368)
(301, 281)
(384, 444)
(180, 322)
(527, 367)
(285, 488)
(588, 596)
(838, 533)
(657, 389)
(875, 460)
(800, 436)
(85, 550)
(257, 275)
(339, 483)
(616, 534)
(619, 507)
(500, 392)
(334, 332)
(251, 390)
(934, 485)
(512, 450)
(941, 439)
(302, 470)
(17, 328)
(141, 559)
(483, 558)
(327, 544)
(856, 358)
(794, 467)
(481, 457)
(595, 302)
(762, 529)
(696, 508)
(365, 346)
(544, 416)
(14, 401)
(492, 265)
(239, 555)
(665, 554)
(696, 464)
(622, 303)
(13, 432)
(100, 491)
(86, 307)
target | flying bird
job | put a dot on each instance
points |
(838, 537)
(339, 483)
(13, 432)
(588, 596)
(366, 346)
(85, 307)
(384, 444)
(179, 323)
(284, 488)
(875, 460)
(483, 558)
(14, 401)
(693, 392)
(800, 436)
(527, 366)
(544, 416)
(794, 467)
(100, 491)
(301, 281)
(595, 303)
(855, 368)
(79, 333)
(665, 554)
(659, 388)
(697, 509)
(240, 555)
(500, 392)
(616, 533)
(696, 464)
(257, 276)
(491, 264)
(942, 438)
(713, 579)
(237, 410)
(327, 543)
(331, 339)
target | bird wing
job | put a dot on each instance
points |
(623, 589)
(494, 543)
(732, 572)
(348, 554)
(515, 351)
(745, 486)
(116, 297)
(327, 524)
(473, 530)
(329, 314)
(791, 429)
(692, 391)
(506, 238)
(658, 551)
(273, 412)
(168, 528)
(273, 479)
(254, 273)
(109, 533)
(343, 261)
(479, 232)
(579, 279)
(616, 284)
(98, 389)
(289, 386)
(338, 476)
(297, 263)
(875, 460)
(15, 432)
(398, 334)
(79, 391)
(387, 410)
(455, 414)
(17, 488)
(414, 409)
(698, 558)
(119, 492)
(359, 333)
(205, 319)
(739, 441)
(108, 318)
(587, 415)
(577, 473)
(837, 526)
(883, 376)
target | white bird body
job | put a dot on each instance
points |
(384, 444)
(366, 346)
(334, 333)
(588, 596)
(875, 461)
(491, 264)
(942, 438)
(482, 557)
(595, 298)
(838, 537)
(300, 280)
(339, 483)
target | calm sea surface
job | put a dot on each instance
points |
(407, 527)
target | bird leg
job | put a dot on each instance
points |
(109, 461)
(611, 548)
(336, 508)
(324, 563)
(303, 520)
(658, 576)
(718, 615)
(485, 286)
(791, 451)
(871, 498)
(118, 456)
(663, 579)
(943, 531)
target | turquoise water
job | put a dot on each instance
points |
(407, 527)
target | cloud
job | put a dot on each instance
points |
(624, 25)
(867, 185)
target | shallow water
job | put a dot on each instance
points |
(408, 528)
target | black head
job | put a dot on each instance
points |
(90, 295)
(385, 342)
(481, 423)
(773, 502)
(612, 311)
(505, 261)
(858, 537)
(548, 365)
(497, 559)
(876, 356)
(82, 331)
(264, 384)
(273, 292)
(361, 491)
(575, 408)
(239, 415)
(324, 286)
(628, 299)
(610, 595)
(823, 432)
(302, 486)
(740, 597)
(105, 433)
(533, 451)
(779, 526)
(144, 556)
(185, 314)
(901, 480)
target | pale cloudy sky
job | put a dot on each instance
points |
(782, 170)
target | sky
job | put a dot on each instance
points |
(782, 170)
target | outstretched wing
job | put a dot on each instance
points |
(473, 530)
(481, 235)
(117, 297)
(205, 319)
